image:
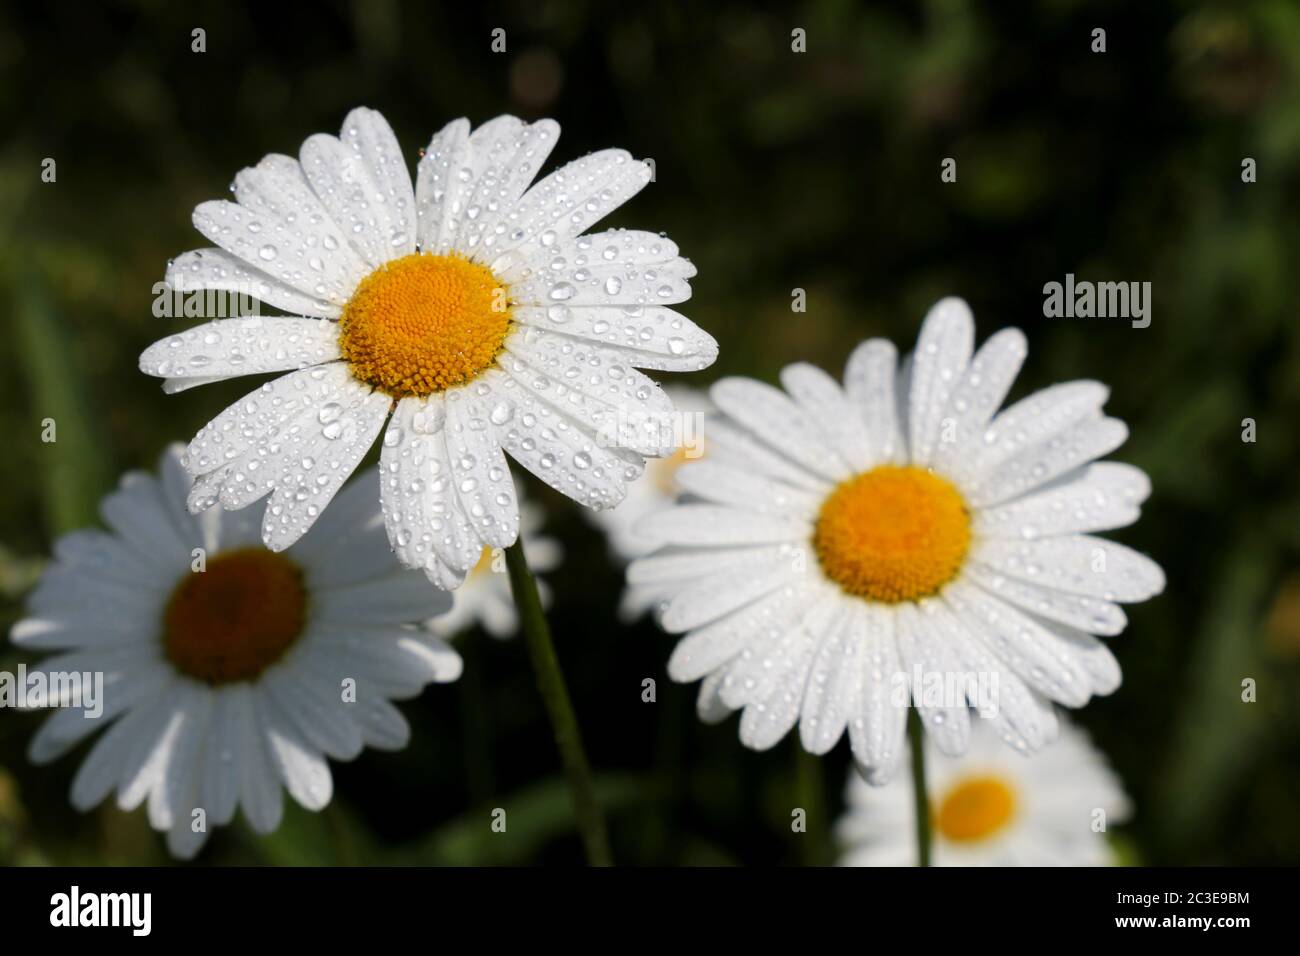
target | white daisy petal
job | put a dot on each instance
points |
(1034, 419)
(479, 471)
(870, 379)
(259, 782)
(382, 655)
(1103, 496)
(1095, 657)
(317, 711)
(1077, 445)
(605, 284)
(303, 769)
(735, 446)
(174, 386)
(421, 512)
(361, 179)
(245, 346)
(716, 482)
(1090, 614)
(711, 525)
(721, 593)
(1024, 718)
(337, 447)
(709, 705)
(394, 599)
(821, 397)
(298, 437)
(443, 179)
(125, 746)
(219, 776)
(774, 707)
(773, 417)
(707, 648)
(878, 724)
(172, 795)
(612, 420)
(927, 656)
(976, 397)
(1021, 643)
(687, 565)
(505, 156)
(137, 514)
(124, 691)
(828, 699)
(569, 201)
(382, 724)
(219, 270)
(310, 256)
(751, 674)
(555, 365)
(938, 364)
(566, 456)
(1077, 564)
(236, 432)
(649, 337)
(608, 249)
(94, 549)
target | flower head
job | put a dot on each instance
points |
(230, 672)
(476, 310)
(993, 807)
(845, 546)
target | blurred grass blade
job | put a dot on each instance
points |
(75, 465)
(1218, 734)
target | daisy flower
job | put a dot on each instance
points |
(477, 310)
(230, 672)
(485, 597)
(993, 807)
(854, 542)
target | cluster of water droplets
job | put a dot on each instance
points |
(243, 346)
(362, 181)
(298, 437)
(467, 182)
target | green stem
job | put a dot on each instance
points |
(811, 790)
(916, 735)
(555, 695)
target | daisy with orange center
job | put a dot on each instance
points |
(473, 311)
(231, 673)
(994, 807)
(845, 547)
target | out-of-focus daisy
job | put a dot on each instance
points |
(475, 309)
(654, 490)
(485, 597)
(230, 672)
(993, 807)
(856, 543)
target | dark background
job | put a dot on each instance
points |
(775, 171)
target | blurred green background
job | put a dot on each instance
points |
(775, 170)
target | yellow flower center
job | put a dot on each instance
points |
(664, 471)
(892, 534)
(484, 565)
(975, 809)
(423, 323)
(235, 619)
